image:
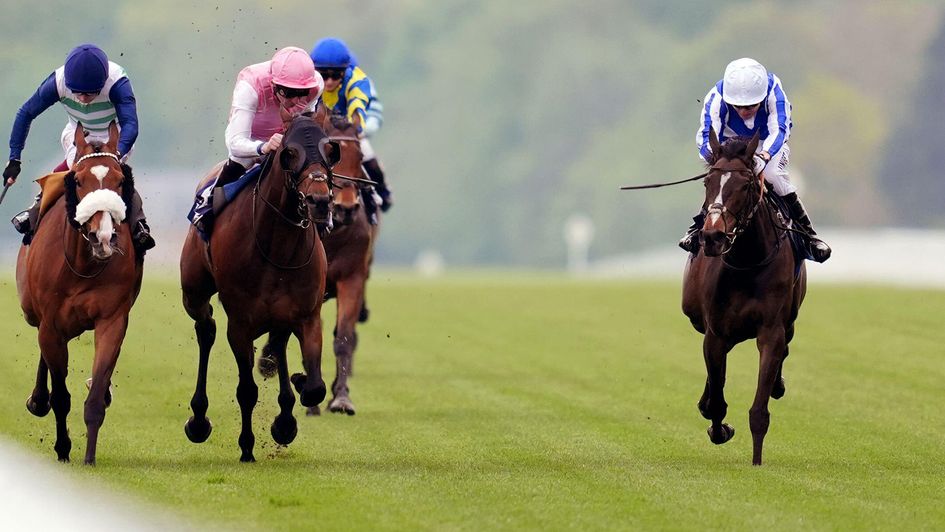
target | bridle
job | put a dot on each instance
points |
(81, 229)
(742, 220)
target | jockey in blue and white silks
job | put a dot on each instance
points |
(748, 100)
(94, 92)
(349, 91)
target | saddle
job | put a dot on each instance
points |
(53, 187)
(210, 200)
(799, 244)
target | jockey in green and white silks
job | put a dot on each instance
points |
(94, 92)
(749, 100)
(350, 92)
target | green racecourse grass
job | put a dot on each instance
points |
(521, 402)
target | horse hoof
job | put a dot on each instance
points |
(341, 405)
(247, 457)
(198, 431)
(778, 391)
(313, 411)
(723, 435)
(267, 364)
(364, 314)
(284, 432)
(37, 409)
(64, 459)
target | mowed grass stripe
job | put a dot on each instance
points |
(528, 402)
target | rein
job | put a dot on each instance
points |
(741, 225)
(303, 223)
(658, 185)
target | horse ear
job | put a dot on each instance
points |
(291, 158)
(330, 151)
(79, 139)
(753, 144)
(714, 142)
(321, 114)
(112, 137)
(357, 121)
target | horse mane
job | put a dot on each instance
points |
(340, 121)
(735, 148)
(71, 197)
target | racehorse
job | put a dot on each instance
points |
(80, 273)
(348, 247)
(267, 262)
(742, 284)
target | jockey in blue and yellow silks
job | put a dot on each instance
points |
(350, 92)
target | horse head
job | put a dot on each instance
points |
(732, 192)
(307, 157)
(98, 190)
(347, 200)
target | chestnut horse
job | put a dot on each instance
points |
(267, 262)
(742, 284)
(80, 273)
(348, 247)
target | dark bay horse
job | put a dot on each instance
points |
(267, 262)
(348, 247)
(741, 285)
(80, 273)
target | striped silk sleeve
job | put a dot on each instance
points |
(779, 118)
(709, 117)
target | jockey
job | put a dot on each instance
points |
(350, 92)
(747, 100)
(95, 92)
(288, 81)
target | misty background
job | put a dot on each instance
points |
(503, 120)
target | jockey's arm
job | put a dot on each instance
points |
(45, 96)
(356, 94)
(239, 130)
(126, 107)
(779, 120)
(710, 116)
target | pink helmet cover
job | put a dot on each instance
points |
(292, 67)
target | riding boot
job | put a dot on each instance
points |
(376, 173)
(690, 241)
(140, 231)
(818, 249)
(370, 198)
(25, 222)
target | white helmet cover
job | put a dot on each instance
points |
(745, 82)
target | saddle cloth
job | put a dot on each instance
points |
(208, 205)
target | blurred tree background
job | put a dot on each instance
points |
(504, 118)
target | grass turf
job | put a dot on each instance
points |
(514, 402)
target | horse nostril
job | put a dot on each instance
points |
(113, 240)
(93, 238)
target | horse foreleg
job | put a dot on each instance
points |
(780, 387)
(284, 427)
(771, 345)
(55, 353)
(247, 393)
(38, 401)
(712, 405)
(109, 335)
(310, 385)
(198, 427)
(350, 297)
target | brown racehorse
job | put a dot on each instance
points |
(741, 285)
(267, 263)
(80, 273)
(348, 247)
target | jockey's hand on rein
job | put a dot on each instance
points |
(11, 172)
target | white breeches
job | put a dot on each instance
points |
(776, 171)
(68, 143)
(367, 151)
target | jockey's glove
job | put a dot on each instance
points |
(12, 171)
